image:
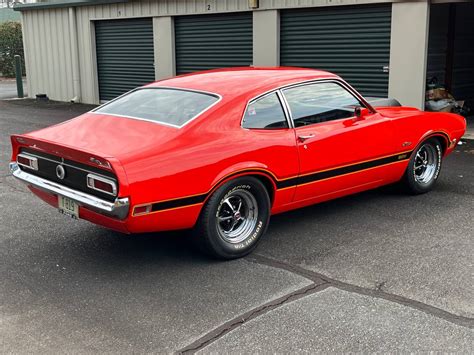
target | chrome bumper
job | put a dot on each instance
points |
(119, 208)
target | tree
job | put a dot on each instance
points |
(11, 44)
(7, 3)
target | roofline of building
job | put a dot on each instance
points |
(63, 3)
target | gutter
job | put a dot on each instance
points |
(52, 4)
(76, 74)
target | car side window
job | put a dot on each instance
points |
(320, 102)
(265, 113)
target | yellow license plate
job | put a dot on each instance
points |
(68, 207)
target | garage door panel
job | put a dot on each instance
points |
(112, 59)
(213, 41)
(353, 42)
(125, 55)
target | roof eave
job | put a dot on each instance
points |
(63, 3)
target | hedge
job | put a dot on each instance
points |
(11, 44)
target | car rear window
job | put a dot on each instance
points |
(173, 107)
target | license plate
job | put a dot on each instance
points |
(68, 207)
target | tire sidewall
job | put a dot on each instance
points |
(220, 245)
(419, 187)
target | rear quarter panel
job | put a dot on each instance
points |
(200, 159)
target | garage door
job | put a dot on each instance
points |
(124, 55)
(353, 42)
(213, 41)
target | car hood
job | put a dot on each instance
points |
(397, 112)
(108, 136)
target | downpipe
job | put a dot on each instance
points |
(76, 74)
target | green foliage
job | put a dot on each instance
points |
(11, 44)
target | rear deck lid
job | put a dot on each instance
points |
(106, 136)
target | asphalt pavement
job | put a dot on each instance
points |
(380, 271)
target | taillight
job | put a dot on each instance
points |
(101, 184)
(27, 161)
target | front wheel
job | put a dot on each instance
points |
(424, 166)
(234, 219)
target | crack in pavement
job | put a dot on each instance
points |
(319, 283)
(376, 293)
(228, 326)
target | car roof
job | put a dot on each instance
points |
(234, 82)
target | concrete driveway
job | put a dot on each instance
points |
(8, 88)
(375, 272)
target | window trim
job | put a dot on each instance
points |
(280, 98)
(219, 99)
(337, 82)
(286, 106)
(286, 109)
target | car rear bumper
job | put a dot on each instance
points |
(117, 209)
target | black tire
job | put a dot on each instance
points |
(424, 167)
(219, 231)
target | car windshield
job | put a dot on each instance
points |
(173, 107)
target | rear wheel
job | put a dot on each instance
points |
(234, 219)
(424, 166)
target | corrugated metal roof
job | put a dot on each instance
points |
(63, 3)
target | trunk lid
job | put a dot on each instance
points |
(103, 135)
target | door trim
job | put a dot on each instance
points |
(343, 170)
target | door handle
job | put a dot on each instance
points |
(305, 137)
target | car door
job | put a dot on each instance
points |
(338, 150)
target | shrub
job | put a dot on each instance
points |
(11, 44)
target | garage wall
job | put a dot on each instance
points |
(48, 53)
(408, 52)
(163, 8)
(126, 10)
(47, 37)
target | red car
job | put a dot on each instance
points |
(220, 151)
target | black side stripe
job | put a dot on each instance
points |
(342, 170)
(192, 200)
(180, 202)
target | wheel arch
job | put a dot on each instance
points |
(264, 176)
(440, 136)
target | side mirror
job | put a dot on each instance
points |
(360, 112)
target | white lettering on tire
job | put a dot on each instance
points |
(250, 239)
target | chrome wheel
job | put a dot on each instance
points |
(237, 216)
(426, 164)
